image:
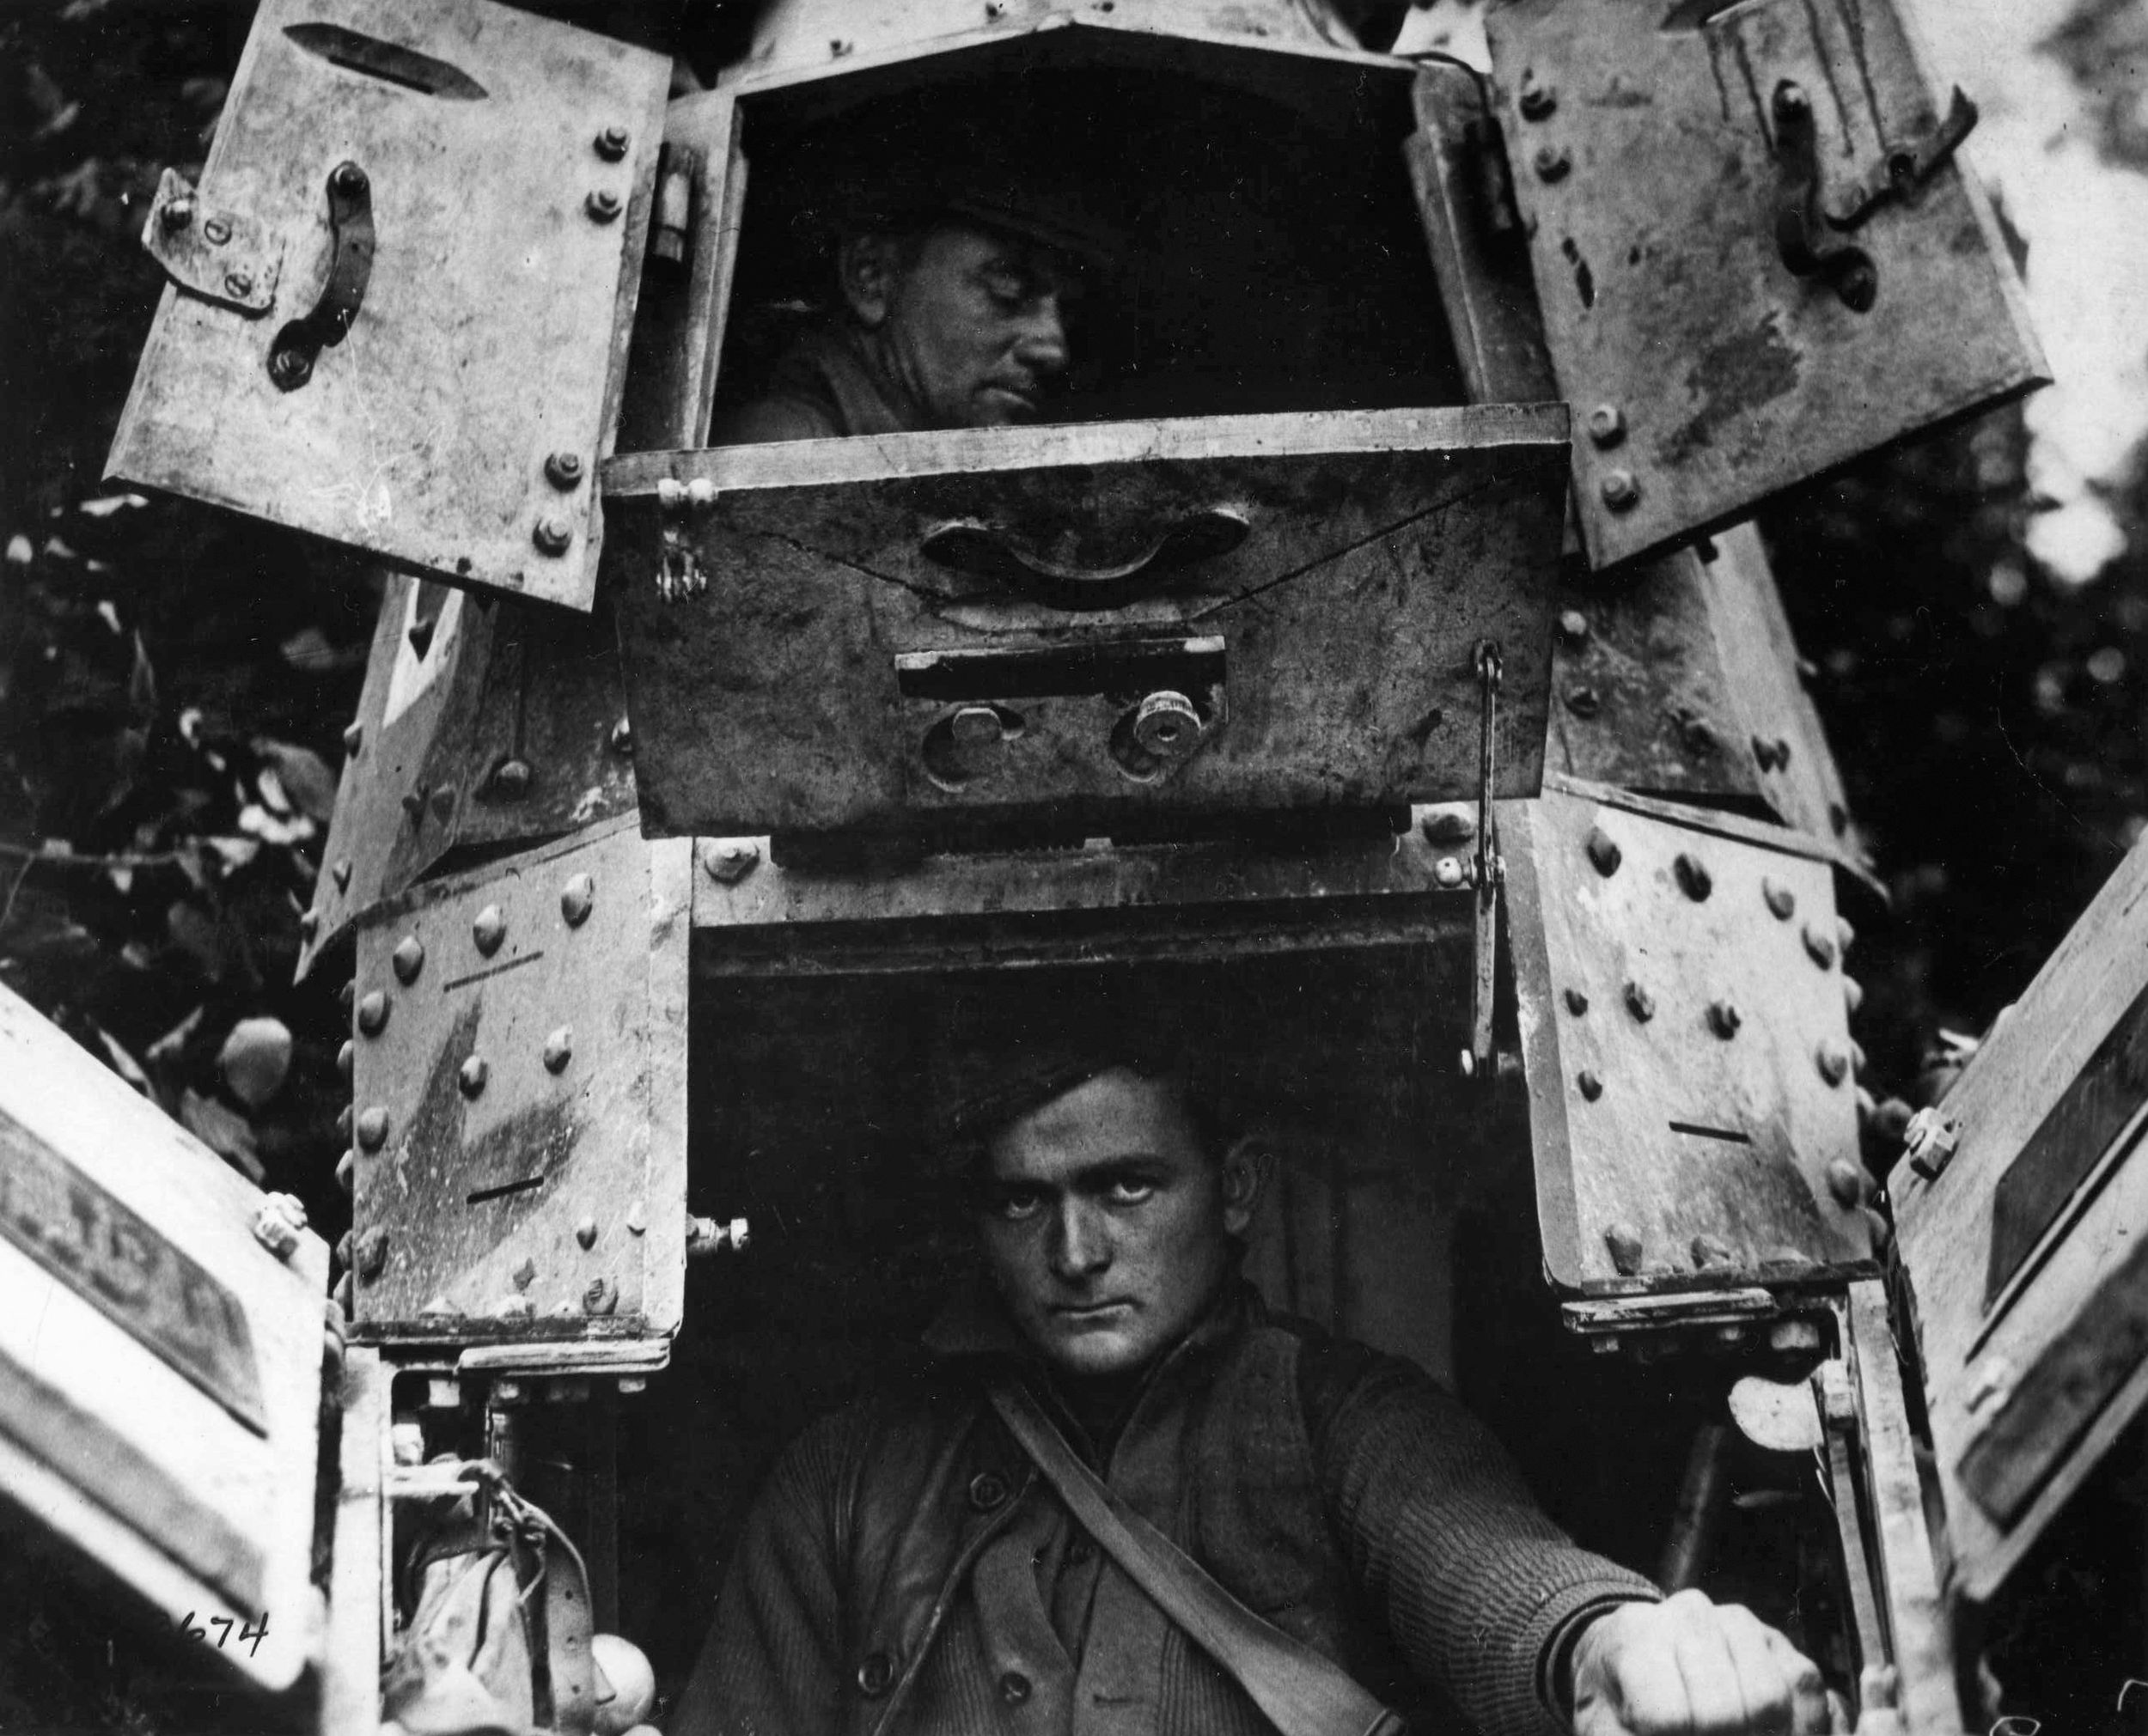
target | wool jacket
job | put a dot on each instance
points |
(905, 1572)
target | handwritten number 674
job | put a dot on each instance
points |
(249, 1631)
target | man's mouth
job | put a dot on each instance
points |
(1023, 398)
(1091, 1312)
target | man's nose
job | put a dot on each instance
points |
(1081, 1243)
(1041, 346)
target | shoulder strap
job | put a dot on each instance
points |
(1301, 1692)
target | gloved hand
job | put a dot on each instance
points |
(1689, 1667)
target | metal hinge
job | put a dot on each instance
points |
(1478, 1060)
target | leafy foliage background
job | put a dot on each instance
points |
(173, 681)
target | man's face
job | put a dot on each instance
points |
(975, 326)
(1105, 1225)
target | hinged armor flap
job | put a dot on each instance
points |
(2020, 1207)
(1686, 1037)
(1757, 252)
(453, 198)
(519, 1098)
(160, 1367)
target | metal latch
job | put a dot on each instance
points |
(222, 256)
(1801, 236)
(1904, 168)
(1477, 1061)
(299, 344)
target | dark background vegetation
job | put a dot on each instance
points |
(174, 682)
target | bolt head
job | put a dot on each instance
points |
(1693, 876)
(373, 1014)
(353, 736)
(1591, 1086)
(1584, 701)
(373, 1128)
(238, 283)
(553, 534)
(1625, 1249)
(623, 737)
(1834, 1064)
(1604, 854)
(1844, 935)
(487, 930)
(975, 726)
(1552, 162)
(559, 1049)
(1577, 1003)
(562, 470)
(471, 1077)
(346, 1169)
(525, 1273)
(177, 215)
(1852, 994)
(1607, 425)
(217, 231)
(729, 861)
(602, 205)
(341, 873)
(1819, 946)
(1725, 1019)
(1447, 873)
(408, 959)
(636, 1220)
(1621, 492)
(1846, 1181)
(509, 781)
(309, 923)
(346, 1059)
(371, 1253)
(1538, 101)
(611, 143)
(1640, 1002)
(576, 898)
(414, 803)
(1782, 902)
(1698, 738)
(585, 1233)
(350, 178)
(600, 1297)
(1166, 724)
(1711, 1251)
(1573, 626)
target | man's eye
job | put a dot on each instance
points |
(1010, 289)
(1129, 1191)
(1016, 1203)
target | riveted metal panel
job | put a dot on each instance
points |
(160, 1368)
(1687, 1044)
(490, 327)
(1323, 579)
(1649, 165)
(2020, 1226)
(516, 1095)
(480, 725)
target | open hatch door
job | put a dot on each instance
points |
(160, 1367)
(399, 301)
(1758, 254)
(2020, 1207)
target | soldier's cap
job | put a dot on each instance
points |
(996, 1058)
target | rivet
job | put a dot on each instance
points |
(1846, 1181)
(350, 179)
(1834, 1064)
(1625, 1249)
(343, 1249)
(1782, 752)
(1607, 425)
(1698, 738)
(1447, 825)
(346, 1166)
(636, 1222)
(601, 1297)
(1857, 1057)
(1538, 101)
(420, 636)
(346, 1057)
(1724, 1019)
(1640, 1002)
(353, 737)
(729, 860)
(1709, 1251)
(1552, 162)
(1839, 817)
(309, 923)
(343, 1118)
(1619, 490)
(238, 284)
(623, 736)
(1447, 872)
(1573, 626)
(1852, 993)
(341, 873)
(177, 215)
(1844, 935)
(976, 725)
(1591, 1087)
(1604, 853)
(509, 781)
(218, 230)
(408, 959)
(611, 143)
(371, 1250)
(373, 1014)
(559, 1049)
(839, 46)
(602, 205)
(1583, 701)
(1782, 903)
(576, 899)
(346, 996)
(1693, 876)
(414, 803)
(585, 1233)
(471, 1077)
(1577, 1003)
(1819, 947)
(525, 1273)
(373, 1128)
(553, 534)
(487, 930)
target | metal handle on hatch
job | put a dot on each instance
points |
(291, 357)
(986, 551)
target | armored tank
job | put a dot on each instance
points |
(1381, 677)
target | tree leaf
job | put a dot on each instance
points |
(256, 1059)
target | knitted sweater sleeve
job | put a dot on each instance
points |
(772, 1663)
(1479, 1590)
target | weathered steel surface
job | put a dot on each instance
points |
(1688, 1053)
(478, 725)
(2028, 1387)
(1373, 550)
(492, 329)
(159, 1369)
(1643, 161)
(517, 1174)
